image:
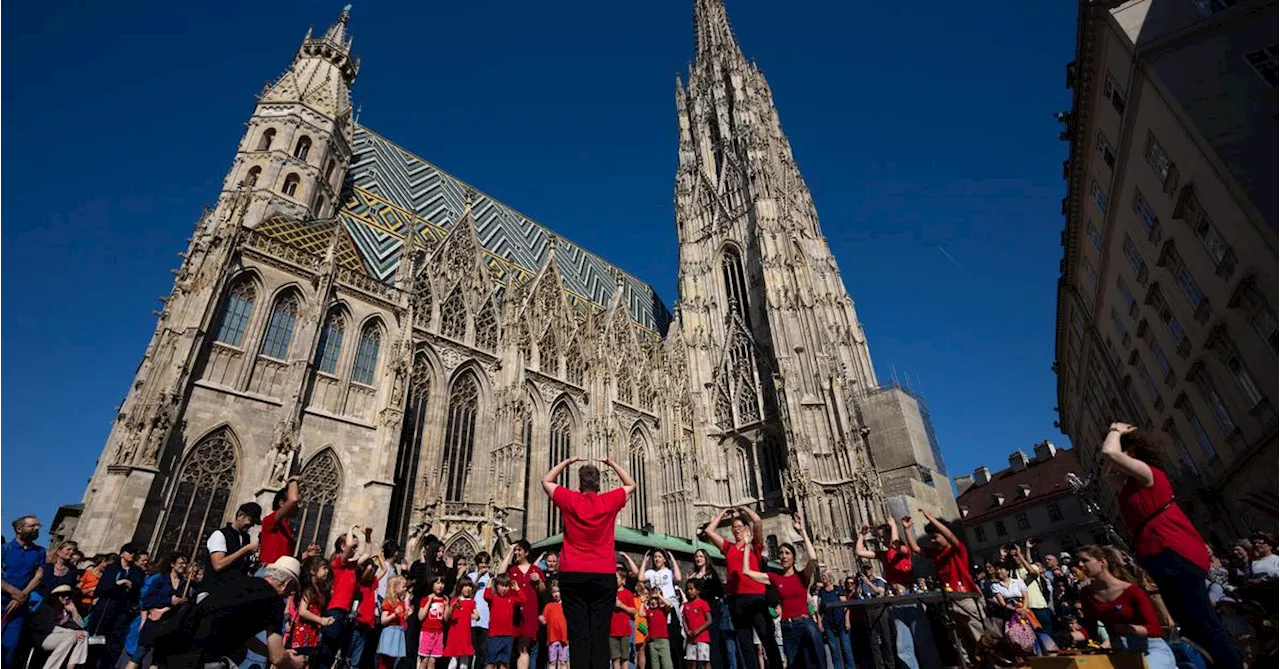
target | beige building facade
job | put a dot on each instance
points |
(1167, 299)
(421, 354)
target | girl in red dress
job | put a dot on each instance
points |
(458, 617)
(529, 578)
(312, 595)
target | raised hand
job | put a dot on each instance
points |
(906, 522)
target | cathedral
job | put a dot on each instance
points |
(420, 354)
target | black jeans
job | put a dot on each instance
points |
(750, 613)
(588, 601)
(1182, 585)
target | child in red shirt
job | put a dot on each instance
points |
(557, 631)
(503, 597)
(624, 608)
(458, 617)
(431, 612)
(658, 642)
(697, 623)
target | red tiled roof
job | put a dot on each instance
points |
(1046, 479)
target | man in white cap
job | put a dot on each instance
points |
(225, 624)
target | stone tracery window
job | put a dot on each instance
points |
(560, 435)
(549, 353)
(453, 316)
(320, 484)
(735, 284)
(330, 343)
(410, 449)
(772, 461)
(236, 312)
(284, 315)
(640, 501)
(199, 500)
(460, 436)
(575, 366)
(744, 471)
(487, 329)
(290, 187)
(626, 389)
(367, 354)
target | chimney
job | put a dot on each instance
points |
(963, 483)
(1017, 460)
(1045, 450)
(981, 475)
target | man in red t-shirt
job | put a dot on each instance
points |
(276, 539)
(588, 561)
(951, 559)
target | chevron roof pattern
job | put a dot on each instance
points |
(391, 191)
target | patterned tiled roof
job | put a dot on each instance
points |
(392, 189)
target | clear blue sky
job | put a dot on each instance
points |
(921, 128)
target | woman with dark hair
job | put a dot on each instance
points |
(1167, 546)
(530, 580)
(711, 589)
(801, 640)
(1115, 599)
(117, 603)
(160, 592)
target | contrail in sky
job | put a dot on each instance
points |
(949, 257)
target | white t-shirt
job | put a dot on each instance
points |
(665, 581)
(1016, 589)
(1268, 566)
(217, 542)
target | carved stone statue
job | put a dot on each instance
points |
(284, 445)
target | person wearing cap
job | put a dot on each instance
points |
(117, 604)
(58, 628)
(227, 621)
(230, 547)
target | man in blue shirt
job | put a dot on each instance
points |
(22, 569)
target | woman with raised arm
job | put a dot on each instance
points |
(1166, 545)
(747, 605)
(588, 584)
(801, 640)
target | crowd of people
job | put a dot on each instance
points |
(915, 601)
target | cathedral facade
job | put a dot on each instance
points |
(420, 354)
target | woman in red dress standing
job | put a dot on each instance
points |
(529, 577)
(1166, 545)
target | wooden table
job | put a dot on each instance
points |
(1097, 661)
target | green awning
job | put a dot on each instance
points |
(629, 537)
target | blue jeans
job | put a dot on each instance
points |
(914, 638)
(802, 644)
(841, 646)
(355, 647)
(1155, 650)
(1182, 585)
(13, 626)
(728, 635)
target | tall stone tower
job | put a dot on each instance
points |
(290, 163)
(775, 348)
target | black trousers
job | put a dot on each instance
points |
(588, 601)
(1182, 585)
(751, 613)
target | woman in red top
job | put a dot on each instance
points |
(1114, 598)
(532, 582)
(801, 640)
(1170, 550)
(747, 605)
(458, 617)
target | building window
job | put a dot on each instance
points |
(1161, 359)
(251, 179)
(1203, 437)
(1099, 197)
(1214, 244)
(1095, 237)
(1148, 383)
(268, 137)
(1000, 529)
(1055, 512)
(1264, 322)
(330, 343)
(328, 169)
(1189, 288)
(980, 533)
(1090, 271)
(1219, 410)
(453, 316)
(1143, 210)
(1186, 457)
(1175, 328)
(1119, 325)
(1107, 151)
(1248, 388)
(291, 185)
(200, 497)
(302, 148)
(280, 327)
(487, 329)
(1211, 7)
(735, 284)
(561, 444)
(746, 472)
(320, 483)
(367, 354)
(1263, 61)
(1112, 92)
(1125, 292)
(640, 502)
(235, 314)
(1156, 157)
(1023, 522)
(460, 436)
(1131, 252)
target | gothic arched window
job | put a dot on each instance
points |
(575, 366)
(302, 148)
(626, 389)
(487, 329)
(560, 434)
(251, 179)
(453, 316)
(409, 452)
(549, 353)
(735, 284)
(460, 435)
(772, 461)
(200, 496)
(236, 312)
(640, 502)
(268, 137)
(284, 314)
(330, 343)
(320, 483)
(290, 187)
(744, 471)
(367, 354)
(328, 168)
